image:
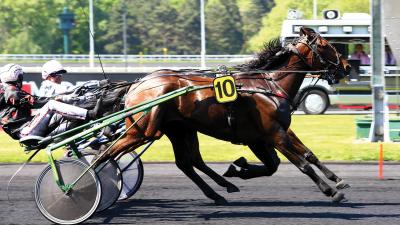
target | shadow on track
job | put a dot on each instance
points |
(309, 204)
(151, 209)
(183, 210)
(318, 215)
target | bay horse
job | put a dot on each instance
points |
(262, 112)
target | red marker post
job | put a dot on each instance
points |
(380, 172)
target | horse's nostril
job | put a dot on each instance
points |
(348, 69)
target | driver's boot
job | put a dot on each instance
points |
(31, 137)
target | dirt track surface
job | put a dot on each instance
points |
(288, 197)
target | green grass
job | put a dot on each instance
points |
(11, 151)
(330, 137)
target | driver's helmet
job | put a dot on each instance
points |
(11, 73)
(52, 67)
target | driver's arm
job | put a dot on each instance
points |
(37, 102)
(73, 98)
(13, 96)
(20, 98)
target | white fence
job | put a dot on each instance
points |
(110, 57)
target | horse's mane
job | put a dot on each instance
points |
(267, 58)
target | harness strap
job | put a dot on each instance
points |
(232, 122)
(269, 93)
(138, 128)
(292, 48)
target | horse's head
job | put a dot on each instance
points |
(322, 56)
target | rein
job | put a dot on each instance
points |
(231, 72)
(110, 87)
(185, 77)
(207, 73)
(311, 44)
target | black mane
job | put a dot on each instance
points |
(268, 57)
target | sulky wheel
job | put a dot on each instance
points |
(110, 178)
(75, 206)
(132, 174)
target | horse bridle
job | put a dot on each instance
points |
(313, 46)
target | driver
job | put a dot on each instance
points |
(52, 74)
(16, 104)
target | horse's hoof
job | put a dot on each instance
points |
(232, 188)
(221, 201)
(241, 162)
(342, 185)
(231, 172)
(338, 197)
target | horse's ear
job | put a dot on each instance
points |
(305, 31)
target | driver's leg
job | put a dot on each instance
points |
(39, 124)
(58, 124)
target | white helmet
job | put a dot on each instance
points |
(52, 67)
(11, 73)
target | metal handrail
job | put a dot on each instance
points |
(110, 57)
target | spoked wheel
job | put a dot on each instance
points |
(75, 206)
(132, 174)
(110, 179)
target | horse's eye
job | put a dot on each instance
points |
(324, 45)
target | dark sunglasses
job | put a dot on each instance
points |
(56, 75)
